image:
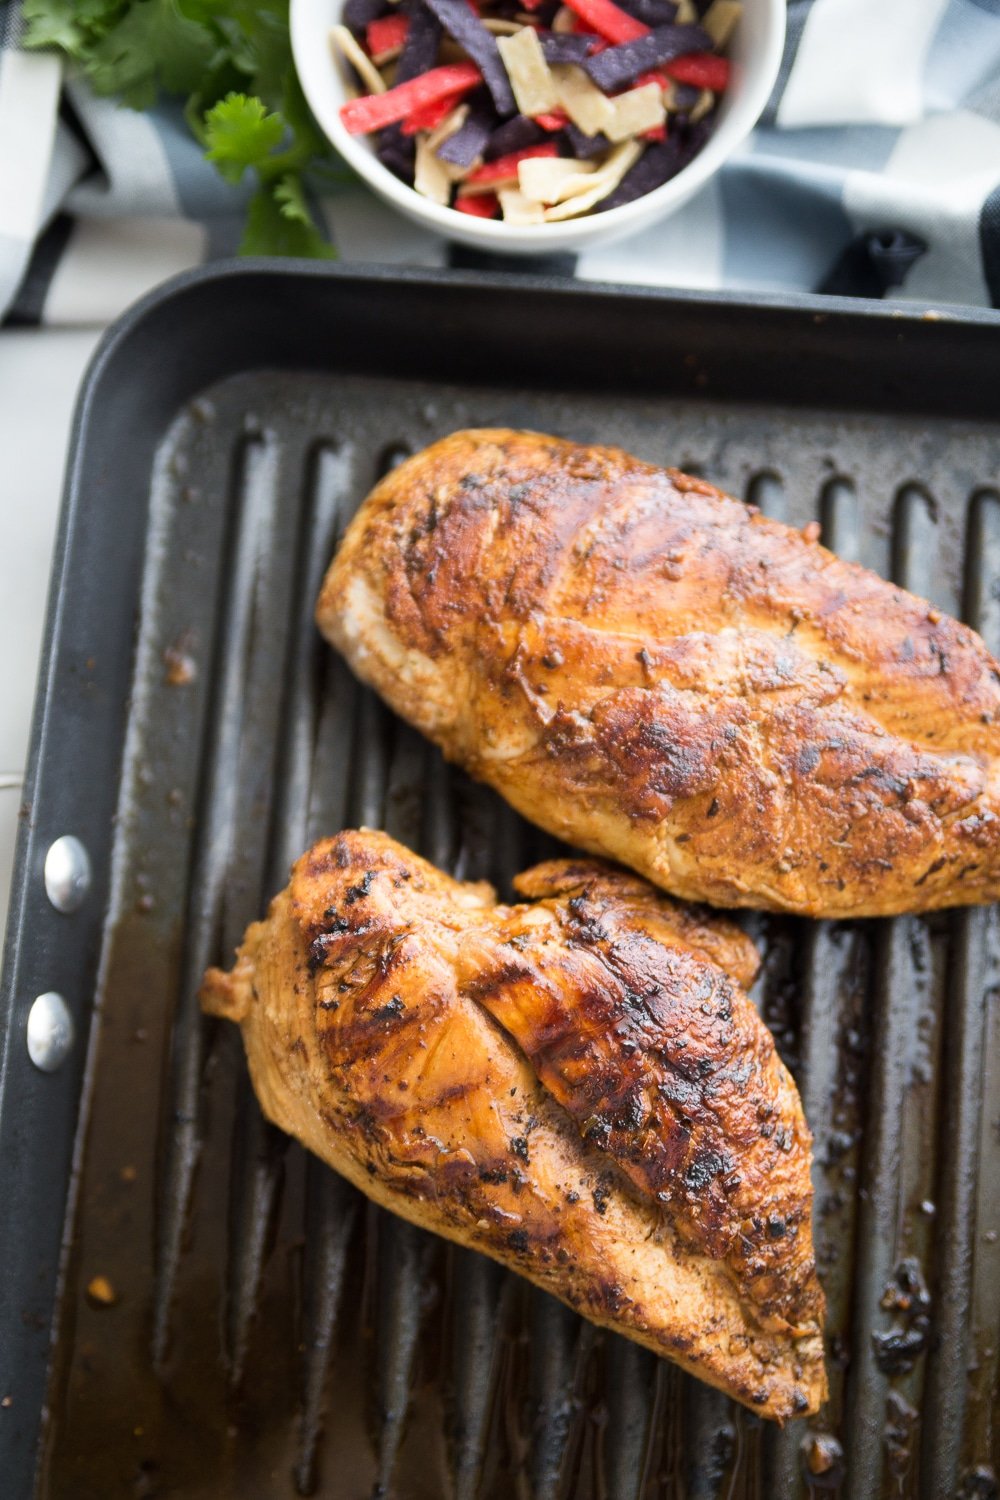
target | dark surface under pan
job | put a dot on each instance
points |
(272, 1333)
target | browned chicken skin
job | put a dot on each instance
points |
(577, 1086)
(655, 672)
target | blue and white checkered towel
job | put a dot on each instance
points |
(876, 172)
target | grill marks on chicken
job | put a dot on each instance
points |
(663, 1063)
(577, 1086)
(653, 671)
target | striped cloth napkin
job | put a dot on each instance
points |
(875, 172)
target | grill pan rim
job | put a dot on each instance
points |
(899, 355)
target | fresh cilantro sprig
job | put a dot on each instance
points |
(231, 61)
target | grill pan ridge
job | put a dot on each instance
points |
(271, 1333)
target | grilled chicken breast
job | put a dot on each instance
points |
(577, 1086)
(654, 671)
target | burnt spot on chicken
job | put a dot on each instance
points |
(612, 1294)
(327, 857)
(704, 1168)
(389, 1011)
(510, 971)
(932, 869)
(630, 1111)
(602, 1191)
(323, 940)
(357, 892)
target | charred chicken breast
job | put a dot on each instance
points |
(655, 672)
(577, 1086)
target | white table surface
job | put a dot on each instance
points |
(40, 372)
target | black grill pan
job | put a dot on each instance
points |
(189, 1306)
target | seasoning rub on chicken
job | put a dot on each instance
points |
(577, 1086)
(655, 672)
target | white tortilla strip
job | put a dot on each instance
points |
(638, 110)
(702, 106)
(517, 209)
(533, 84)
(431, 178)
(551, 179)
(443, 132)
(500, 27)
(343, 43)
(564, 21)
(687, 14)
(587, 107)
(448, 127)
(720, 20)
(604, 181)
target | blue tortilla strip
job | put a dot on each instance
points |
(423, 40)
(681, 121)
(513, 135)
(585, 146)
(618, 66)
(699, 131)
(695, 136)
(657, 164)
(566, 47)
(686, 96)
(397, 152)
(357, 14)
(653, 12)
(469, 140)
(469, 32)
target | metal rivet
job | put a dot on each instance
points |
(67, 873)
(50, 1031)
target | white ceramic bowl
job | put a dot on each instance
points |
(755, 51)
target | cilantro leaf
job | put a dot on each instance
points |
(231, 62)
(279, 223)
(299, 116)
(239, 133)
(290, 196)
(257, 38)
(153, 46)
(53, 25)
(67, 24)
